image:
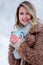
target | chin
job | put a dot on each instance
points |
(25, 24)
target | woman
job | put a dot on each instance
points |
(26, 15)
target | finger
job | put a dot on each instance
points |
(12, 36)
(12, 39)
(15, 37)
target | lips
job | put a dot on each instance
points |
(25, 20)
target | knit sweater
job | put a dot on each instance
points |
(20, 31)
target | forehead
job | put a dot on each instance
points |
(22, 8)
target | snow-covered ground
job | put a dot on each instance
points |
(7, 20)
(4, 42)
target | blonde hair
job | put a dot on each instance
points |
(31, 10)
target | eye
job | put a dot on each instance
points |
(21, 13)
(28, 13)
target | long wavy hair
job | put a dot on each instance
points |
(31, 10)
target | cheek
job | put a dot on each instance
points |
(29, 17)
(20, 17)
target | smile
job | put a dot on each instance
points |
(25, 20)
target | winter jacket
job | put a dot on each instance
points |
(31, 50)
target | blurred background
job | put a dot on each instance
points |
(7, 20)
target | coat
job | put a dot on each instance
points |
(31, 50)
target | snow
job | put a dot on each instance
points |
(4, 42)
(7, 20)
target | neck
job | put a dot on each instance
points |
(26, 29)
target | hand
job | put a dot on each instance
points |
(16, 41)
(14, 38)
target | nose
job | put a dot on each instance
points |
(24, 16)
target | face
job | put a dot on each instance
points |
(24, 16)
